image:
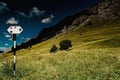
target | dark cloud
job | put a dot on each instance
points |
(35, 12)
(7, 36)
(3, 48)
(12, 20)
(22, 14)
(48, 19)
(6, 44)
(3, 8)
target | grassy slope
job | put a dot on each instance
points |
(94, 56)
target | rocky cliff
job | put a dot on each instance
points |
(105, 12)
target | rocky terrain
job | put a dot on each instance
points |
(105, 12)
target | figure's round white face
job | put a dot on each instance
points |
(15, 29)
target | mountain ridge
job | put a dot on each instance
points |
(104, 13)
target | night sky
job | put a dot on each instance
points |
(34, 15)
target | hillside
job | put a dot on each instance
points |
(104, 13)
(94, 55)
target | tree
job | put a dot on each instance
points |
(53, 49)
(65, 44)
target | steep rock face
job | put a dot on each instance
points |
(109, 9)
(109, 6)
(105, 12)
(80, 20)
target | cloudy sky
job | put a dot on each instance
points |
(34, 15)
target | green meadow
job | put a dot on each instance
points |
(94, 55)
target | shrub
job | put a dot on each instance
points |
(65, 44)
(53, 49)
(7, 68)
(21, 70)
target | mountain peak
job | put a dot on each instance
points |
(109, 6)
(106, 11)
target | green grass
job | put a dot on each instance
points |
(110, 42)
(95, 55)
